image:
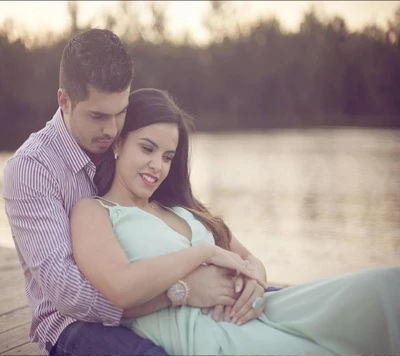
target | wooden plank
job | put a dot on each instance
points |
(9, 259)
(12, 298)
(25, 349)
(10, 277)
(14, 318)
(14, 338)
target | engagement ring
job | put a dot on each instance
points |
(257, 302)
(246, 263)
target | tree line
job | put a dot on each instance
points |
(258, 77)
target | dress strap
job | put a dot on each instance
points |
(101, 199)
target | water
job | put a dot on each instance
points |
(309, 204)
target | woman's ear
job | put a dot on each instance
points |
(116, 147)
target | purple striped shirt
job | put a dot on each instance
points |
(43, 180)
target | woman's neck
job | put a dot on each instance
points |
(124, 197)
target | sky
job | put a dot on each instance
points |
(40, 16)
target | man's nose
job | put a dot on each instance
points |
(111, 128)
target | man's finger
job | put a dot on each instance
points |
(239, 283)
(226, 300)
(228, 282)
(205, 311)
(217, 312)
(227, 312)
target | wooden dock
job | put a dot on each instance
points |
(15, 316)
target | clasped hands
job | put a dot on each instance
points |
(242, 311)
(232, 296)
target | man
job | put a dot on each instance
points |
(47, 175)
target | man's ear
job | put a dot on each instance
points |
(64, 101)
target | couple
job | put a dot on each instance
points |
(61, 165)
(131, 234)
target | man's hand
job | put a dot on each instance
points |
(210, 285)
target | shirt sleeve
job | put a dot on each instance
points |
(41, 230)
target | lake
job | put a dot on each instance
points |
(308, 203)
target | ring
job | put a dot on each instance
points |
(257, 302)
(246, 263)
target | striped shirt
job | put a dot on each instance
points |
(43, 180)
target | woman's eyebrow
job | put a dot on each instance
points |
(155, 145)
(150, 141)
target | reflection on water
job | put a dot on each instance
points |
(309, 203)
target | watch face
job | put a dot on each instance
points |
(177, 292)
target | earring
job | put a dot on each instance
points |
(116, 155)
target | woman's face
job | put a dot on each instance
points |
(144, 158)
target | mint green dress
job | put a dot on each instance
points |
(354, 313)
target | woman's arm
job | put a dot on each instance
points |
(243, 252)
(101, 259)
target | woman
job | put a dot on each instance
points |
(148, 207)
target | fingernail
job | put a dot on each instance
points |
(234, 320)
(239, 323)
(237, 289)
(232, 314)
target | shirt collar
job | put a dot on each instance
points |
(73, 154)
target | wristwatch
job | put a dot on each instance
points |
(178, 293)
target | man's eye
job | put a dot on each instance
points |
(97, 117)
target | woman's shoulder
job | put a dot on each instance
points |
(86, 205)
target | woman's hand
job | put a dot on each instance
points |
(224, 258)
(243, 311)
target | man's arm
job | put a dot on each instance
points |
(209, 286)
(153, 305)
(40, 227)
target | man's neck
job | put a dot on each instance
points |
(96, 158)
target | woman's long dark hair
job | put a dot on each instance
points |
(151, 106)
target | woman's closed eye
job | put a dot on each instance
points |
(147, 149)
(168, 158)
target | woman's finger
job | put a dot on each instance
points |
(251, 314)
(249, 289)
(251, 293)
(247, 270)
(205, 311)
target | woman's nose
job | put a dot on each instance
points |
(155, 163)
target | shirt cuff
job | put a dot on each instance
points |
(107, 312)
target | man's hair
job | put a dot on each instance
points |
(97, 58)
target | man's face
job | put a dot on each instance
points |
(96, 122)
